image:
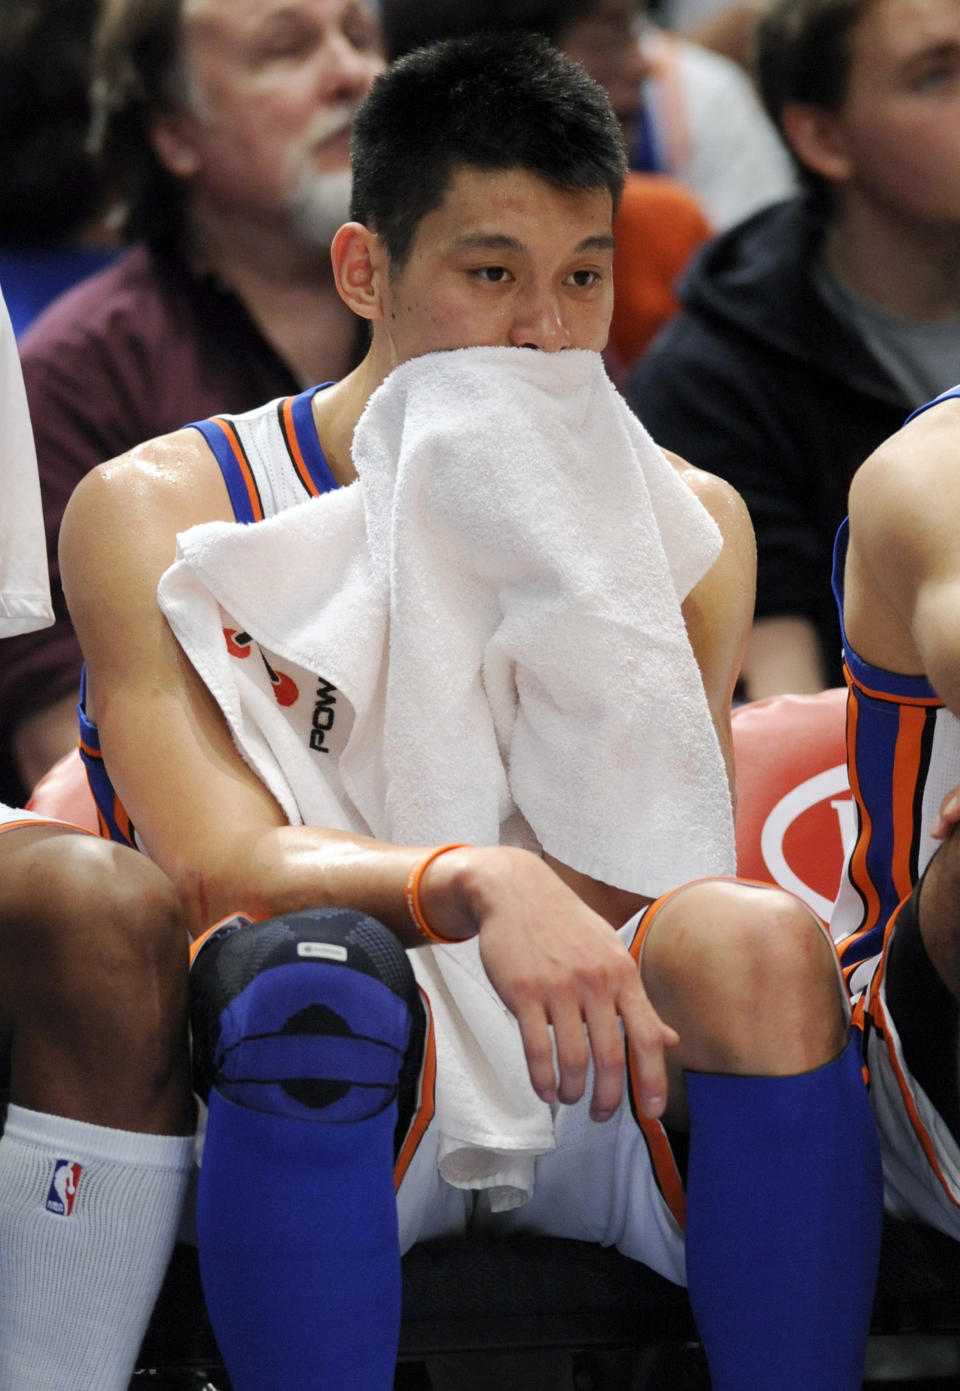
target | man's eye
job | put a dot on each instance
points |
(583, 279)
(494, 275)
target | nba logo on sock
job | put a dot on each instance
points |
(63, 1187)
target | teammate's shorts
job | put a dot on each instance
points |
(13, 817)
(616, 1184)
(909, 1020)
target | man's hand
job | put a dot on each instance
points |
(555, 962)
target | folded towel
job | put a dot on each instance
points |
(497, 603)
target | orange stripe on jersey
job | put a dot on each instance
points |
(246, 473)
(427, 1101)
(888, 696)
(858, 860)
(293, 445)
(122, 821)
(90, 751)
(907, 760)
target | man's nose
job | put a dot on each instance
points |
(538, 323)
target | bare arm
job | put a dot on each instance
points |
(212, 825)
(719, 610)
(902, 579)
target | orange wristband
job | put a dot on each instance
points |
(412, 895)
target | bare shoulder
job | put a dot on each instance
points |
(722, 501)
(135, 505)
(904, 502)
(173, 479)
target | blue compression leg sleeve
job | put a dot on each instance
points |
(784, 1211)
(296, 1214)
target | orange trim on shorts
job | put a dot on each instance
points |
(875, 1009)
(427, 1106)
(665, 1169)
(39, 822)
(664, 1164)
(208, 932)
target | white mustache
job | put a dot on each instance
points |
(330, 125)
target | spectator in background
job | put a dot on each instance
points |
(810, 330)
(699, 120)
(726, 26)
(226, 129)
(54, 229)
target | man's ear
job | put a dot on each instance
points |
(360, 269)
(172, 135)
(816, 137)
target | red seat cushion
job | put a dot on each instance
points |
(794, 810)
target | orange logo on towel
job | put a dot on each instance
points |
(285, 688)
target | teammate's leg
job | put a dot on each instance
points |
(923, 973)
(306, 1029)
(783, 1212)
(96, 1153)
(912, 1023)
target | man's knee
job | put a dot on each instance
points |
(747, 975)
(310, 1015)
(100, 928)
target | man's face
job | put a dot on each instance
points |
(506, 260)
(900, 122)
(273, 87)
(606, 42)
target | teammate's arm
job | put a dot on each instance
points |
(902, 582)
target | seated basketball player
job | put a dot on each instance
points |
(97, 1140)
(896, 578)
(540, 1047)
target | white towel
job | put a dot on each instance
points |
(498, 600)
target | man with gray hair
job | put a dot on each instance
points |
(224, 127)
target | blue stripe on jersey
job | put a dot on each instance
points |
(890, 728)
(100, 785)
(309, 442)
(889, 683)
(222, 451)
(954, 392)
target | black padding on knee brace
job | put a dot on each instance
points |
(233, 959)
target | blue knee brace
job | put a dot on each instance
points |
(296, 1213)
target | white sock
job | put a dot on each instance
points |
(88, 1218)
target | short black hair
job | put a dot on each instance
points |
(489, 102)
(409, 24)
(803, 55)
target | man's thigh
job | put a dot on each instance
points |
(617, 1183)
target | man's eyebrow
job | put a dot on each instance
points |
(499, 241)
(948, 50)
